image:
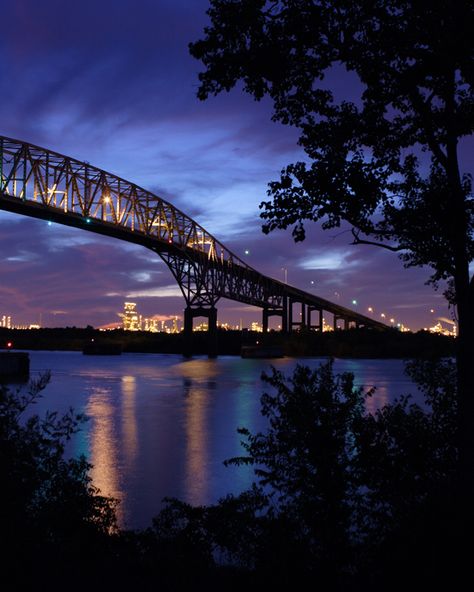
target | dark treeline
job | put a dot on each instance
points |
(358, 343)
(351, 501)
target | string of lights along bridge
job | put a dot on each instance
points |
(44, 184)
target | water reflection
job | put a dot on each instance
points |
(161, 426)
(378, 399)
(104, 446)
(368, 375)
(199, 370)
(129, 420)
(197, 444)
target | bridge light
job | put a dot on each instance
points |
(88, 220)
(9, 344)
(50, 223)
(354, 302)
(247, 252)
(106, 199)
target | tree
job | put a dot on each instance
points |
(53, 519)
(388, 162)
(351, 499)
(305, 459)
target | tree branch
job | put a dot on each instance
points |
(421, 106)
(360, 241)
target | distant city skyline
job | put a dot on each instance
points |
(133, 320)
(127, 103)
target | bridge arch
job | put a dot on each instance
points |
(44, 184)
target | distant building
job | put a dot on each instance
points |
(131, 319)
(151, 325)
(327, 327)
(6, 321)
(438, 328)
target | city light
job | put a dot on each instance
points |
(133, 321)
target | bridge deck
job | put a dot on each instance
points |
(44, 184)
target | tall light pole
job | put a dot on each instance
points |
(284, 269)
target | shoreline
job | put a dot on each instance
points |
(353, 343)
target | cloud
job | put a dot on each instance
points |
(161, 292)
(333, 260)
(141, 276)
(114, 84)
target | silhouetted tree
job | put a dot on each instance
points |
(343, 496)
(305, 459)
(387, 157)
(53, 519)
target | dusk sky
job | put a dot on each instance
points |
(112, 83)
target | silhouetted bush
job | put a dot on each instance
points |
(349, 499)
(346, 497)
(53, 519)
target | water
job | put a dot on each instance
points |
(161, 425)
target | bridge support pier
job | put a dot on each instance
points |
(280, 312)
(190, 314)
(304, 315)
(319, 326)
(345, 319)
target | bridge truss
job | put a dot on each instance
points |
(45, 184)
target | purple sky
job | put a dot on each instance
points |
(112, 83)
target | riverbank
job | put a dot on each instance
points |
(354, 343)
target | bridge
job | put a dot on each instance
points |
(44, 184)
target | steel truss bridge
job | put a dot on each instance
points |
(44, 184)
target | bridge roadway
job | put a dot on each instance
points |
(44, 184)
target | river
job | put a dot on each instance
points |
(162, 425)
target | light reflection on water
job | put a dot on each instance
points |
(197, 444)
(161, 425)
(104, 447)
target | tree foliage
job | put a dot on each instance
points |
(341, 495)
(388, 153)
(52, 516)
(305, 459)
(384, 157)
(335, 485)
